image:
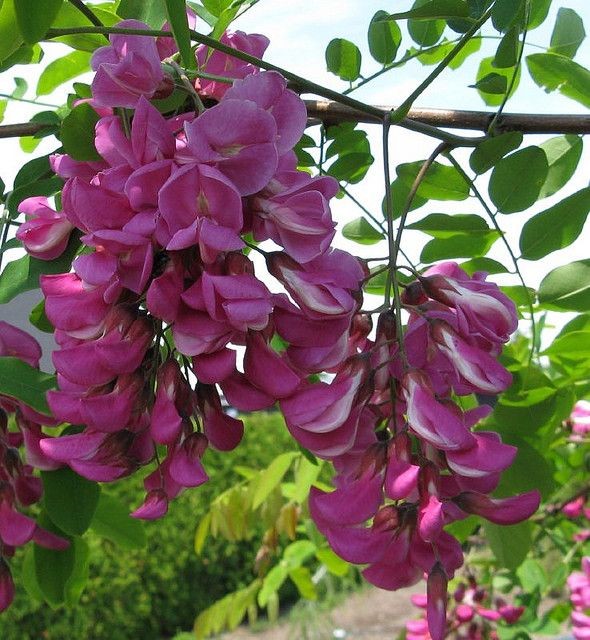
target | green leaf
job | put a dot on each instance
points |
(399, 195)
(442, 225)
(491, 150)
(343, 58)
(25, 383)
(69, 16)
(516, 180)
(384, 38)
(34, 18)
(563, 155)
(530, 470)
(462, 529)
(441, 182)
(61, 70)
(301, 577)
(25, 54)
(568, 33)
(39, 319)
(70, 500)
(510, 544)
(436, 54)
(298, 552)
(23, 274)
(507, 13)
(77, 133)
(507, 51)
(272, 583)
(152, 12)
(42, 187)
(574, 345)
(494, 83)
(461, 245)
(362, 232)
(486, 67)
(10, 35)
(111, 520)
(28, 577)
(178, 19)
(567, 288)
(351, 167)
(430, 9)
(53, 569)
(532, 576)
(423, 32)
(556, 227)
(35, 169)
(271, 477)
(78, 579)
(483, 264)
(551, 71)
(216, 7)
(201, 533)
(538, 12)
(334, 564)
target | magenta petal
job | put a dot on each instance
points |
(6, 586)
(500, 510)
(16, 529)
(436, 608)
(211, 368)
(66, 448)
(353, 502)
(488, 455)
(154, 506)
(187, 470)
(49, 540)
(267, 370)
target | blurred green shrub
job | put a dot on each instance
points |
(157, 591)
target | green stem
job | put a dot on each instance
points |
(443, 64)
(514, 73)
(513, 257)
(441, 148)
(392, 280)
(395, 65)
(36, 102)
(87, 12)
(300, 82)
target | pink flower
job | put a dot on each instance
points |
(46, 232)
(126, 69)
(436, 608)
(580, 418)
(499, 510)
(575, 508)
(239, 139)
(16, 343)
(268, 90)
(221, 64)
(6, 585)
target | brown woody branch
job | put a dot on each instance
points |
(331, 112)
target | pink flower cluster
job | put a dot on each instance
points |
(407, 460)
(579, 586)
(166, 289)
(165, 286)
(470, 615)
(19, 487)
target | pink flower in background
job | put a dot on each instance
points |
(46, 232)
(580, 418)
(221, 64)
(126, 69)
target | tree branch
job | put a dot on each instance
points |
(331, 112)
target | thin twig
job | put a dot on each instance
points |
(301, 83)
(87, 11)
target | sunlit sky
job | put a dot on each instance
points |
(299, 31)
